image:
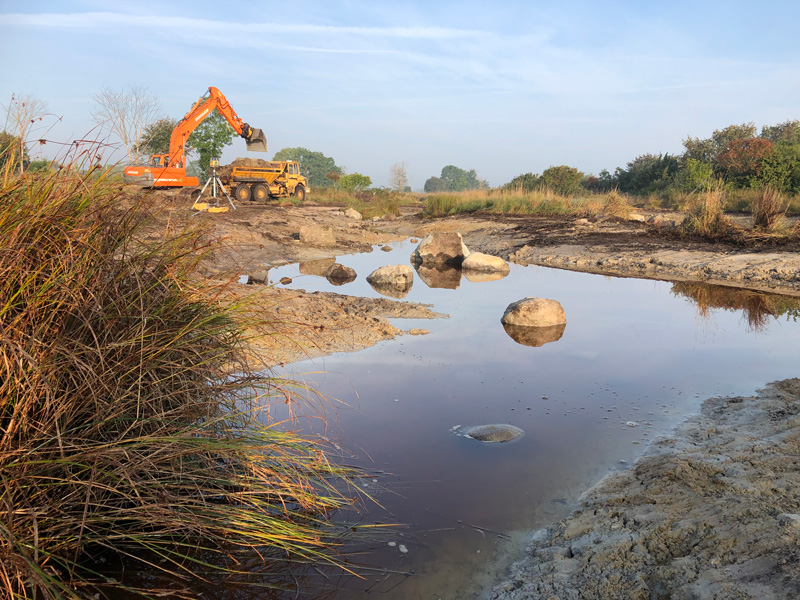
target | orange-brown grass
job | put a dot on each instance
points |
(129, 412)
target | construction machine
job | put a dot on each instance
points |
(275, 179)
(169, 170)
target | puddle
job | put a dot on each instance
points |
(635, 358)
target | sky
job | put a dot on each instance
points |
(501, 87)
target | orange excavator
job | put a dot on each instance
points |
(169, 170)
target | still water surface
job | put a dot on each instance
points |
(636, 357)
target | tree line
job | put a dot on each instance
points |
(738, 156)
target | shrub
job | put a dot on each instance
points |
(705, 213)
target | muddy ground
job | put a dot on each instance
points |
(712, 512)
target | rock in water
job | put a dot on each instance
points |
(534, 312)
(338, 274)
(491, 434)
(441, 247)
(393, 281)
(485, 263)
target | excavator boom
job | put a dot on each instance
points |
(170, 170)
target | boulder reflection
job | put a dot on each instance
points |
(535, 336)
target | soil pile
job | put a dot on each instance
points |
(224, 171)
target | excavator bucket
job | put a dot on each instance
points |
(257, 142)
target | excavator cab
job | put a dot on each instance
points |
(255, 139)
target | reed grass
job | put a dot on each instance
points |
(769, 207)
(131, 420)
(542, 201)
(705, 215)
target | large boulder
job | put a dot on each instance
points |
(393, 281)
(352, 213)
(490, 434)
(534, 312)
(439, 276)
(483, 276)
(441, 247)
(338, 274)
(313, 235)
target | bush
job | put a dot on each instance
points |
(705, 216)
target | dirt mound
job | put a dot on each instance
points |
(225, 170)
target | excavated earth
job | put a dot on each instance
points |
(711, 512)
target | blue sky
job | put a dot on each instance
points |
(500, 87)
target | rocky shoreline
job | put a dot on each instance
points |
(713, 511)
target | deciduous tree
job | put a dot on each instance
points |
(209, 139)
(126, 114)
(563, 180)
(155, 138)
(354, 182)
(398, 177)
(318, 165)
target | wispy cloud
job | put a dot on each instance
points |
(100, 20)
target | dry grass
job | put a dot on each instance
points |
(616, 205)
(705, 216)
(769, 208)
(542, 202)
(129, 414)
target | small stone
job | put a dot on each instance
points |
(402, 549)
(286, 280)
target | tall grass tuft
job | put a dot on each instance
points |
(769, 208)
(705, 216)
(616, 206)
(129, 415)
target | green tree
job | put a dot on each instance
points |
(208, 140)
(694, 175)
(647, 173)
(155, 139)
(458, 180)
(787, 132)
(527, 182)
(562, 180)
(781, 168)
(435, 184)
(354, 182)
(707, 150)
(318, 165)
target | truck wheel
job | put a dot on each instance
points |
(242, 192)
(300, 192)
(260, 192)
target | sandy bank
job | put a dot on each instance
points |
(711, 512)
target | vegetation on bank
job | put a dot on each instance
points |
(134, 425)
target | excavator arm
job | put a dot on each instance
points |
(213, 99)
(169, 170)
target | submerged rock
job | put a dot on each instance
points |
(534, 336)
(393, 281)
(483, 276)
(534, 312)
(491, 434)
(338, 274)
(441, 247)
(286, 280)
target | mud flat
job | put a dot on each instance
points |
(711, 512)
(308, 325)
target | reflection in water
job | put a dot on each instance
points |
(439, 276)
(392, 291)
(534, 336)
(316, 267)
(481, 276)
(757, 307)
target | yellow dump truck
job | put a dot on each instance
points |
(276, 179)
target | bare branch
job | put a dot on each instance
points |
(126, 114)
